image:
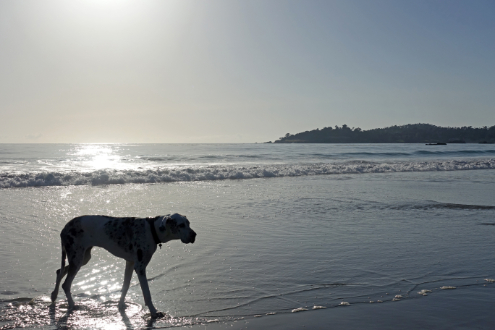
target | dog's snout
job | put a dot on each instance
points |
(193, 236)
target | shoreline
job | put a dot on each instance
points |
(464, 308)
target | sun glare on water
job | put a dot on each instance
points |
(98, 156)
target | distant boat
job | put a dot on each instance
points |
(436, 144)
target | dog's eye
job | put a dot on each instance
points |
(182, 225)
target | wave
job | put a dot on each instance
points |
(228, 172)
(323, 156)
(456, 152)
(402, 154)
(414, 153)
(376, 154)
(437, 205)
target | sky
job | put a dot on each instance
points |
(229, 71)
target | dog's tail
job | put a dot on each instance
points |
(64, 255)
(60, 274)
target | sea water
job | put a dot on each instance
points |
(281, 228)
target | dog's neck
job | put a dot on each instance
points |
(157, 240)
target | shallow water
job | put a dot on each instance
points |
(264, 246)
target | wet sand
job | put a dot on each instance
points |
(463, 308)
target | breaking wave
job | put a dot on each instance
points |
(228, 172)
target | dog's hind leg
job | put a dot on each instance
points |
(76, 260)
(129, 267)
(60, 275)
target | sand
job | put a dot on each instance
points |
(466, 308)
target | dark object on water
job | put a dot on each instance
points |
(436, 144)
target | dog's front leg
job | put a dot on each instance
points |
(129, 266)
(141, 273)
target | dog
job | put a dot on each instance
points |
(132, 239)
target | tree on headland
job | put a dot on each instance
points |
(410, 133)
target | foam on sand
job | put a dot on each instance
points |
(300, 309)
(319, 307)
(470, 308)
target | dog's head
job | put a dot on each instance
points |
(179, 227)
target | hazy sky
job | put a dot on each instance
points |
(240, 71)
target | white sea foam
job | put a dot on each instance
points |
(226, 172)
(319, 307)
(300, 309)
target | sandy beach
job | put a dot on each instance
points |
(464, 308)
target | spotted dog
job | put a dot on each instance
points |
(133, 239)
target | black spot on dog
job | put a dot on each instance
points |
(140, 255)
(124, 231)
(72, 230)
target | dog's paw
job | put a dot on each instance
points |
(75, 308)
(157, 315)
(122, 305)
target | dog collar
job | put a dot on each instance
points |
(151, 221)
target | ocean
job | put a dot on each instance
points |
(282, 228)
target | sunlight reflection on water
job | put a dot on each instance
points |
(101, 280)
(90, 313)
(97, 156)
